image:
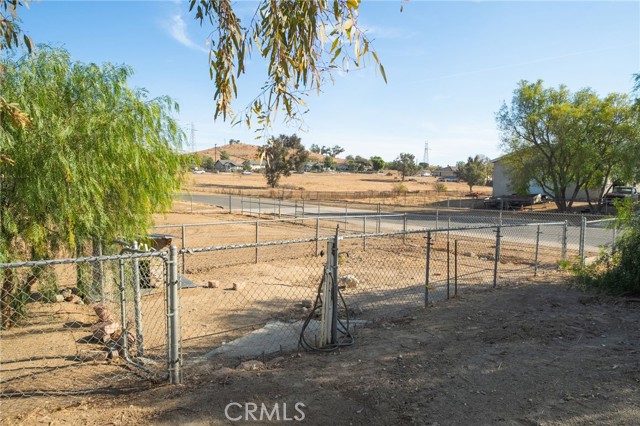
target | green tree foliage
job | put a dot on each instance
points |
(474, 171)
(303, 42)
(246, 165)
(329, 162)
(377, 163)
(224, 155)
(207, 163)
(567, 141)
(11, 34)
(97, 159)
(315, 149)
(406, 164)
(234, 141)
(281, 155)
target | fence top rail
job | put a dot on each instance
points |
(613, 219)
(252, 245)
(289, 219)
(89, 259)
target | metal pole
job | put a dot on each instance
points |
(137, 303)
(583, 230)
(448, 271)
(535, 261)
(497, 258)
(303, 214)
(183, 244)
(364, 233)
(564, 239)
(123, 307)
(426, 281)
(174, 349)
(257, 239)
(317, 233)
(295, 209)
(404, 228)
(279, 205)
(613, 241)
(455, 267)
(334, 290)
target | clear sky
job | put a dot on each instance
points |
(449, 64)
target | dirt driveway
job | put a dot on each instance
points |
(529, 354)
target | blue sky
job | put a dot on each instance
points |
(449, 65)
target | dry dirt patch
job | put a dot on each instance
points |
(539, 353)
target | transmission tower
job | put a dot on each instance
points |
(192, 139)
(425, 157)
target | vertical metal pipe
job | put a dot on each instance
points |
(428, 271)
(257, 239)
(496, 258)
(303, 213)
(404, 228)
(448, 270)
(184, 244)
(317, 233)
(279, 211)
(455, 267)
(564, 239)
(174, 349)
(535, 261)
(123, 307)
(614, 237)
(138, 302)
(583, 230)
(334, 289)
(364, 233)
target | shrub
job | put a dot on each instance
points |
(400, 188)
(617, 273)
(441, 187)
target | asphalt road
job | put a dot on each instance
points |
(597, 235)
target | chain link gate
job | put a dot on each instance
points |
(76, 326)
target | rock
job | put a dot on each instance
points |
(349, 281)
(469, 254)
(251, 365)
(307, 304)
(238, 286)
(67, 294)
(104, 329)
(103, 312)
(213, 284)
(59, 298)
(88, 355)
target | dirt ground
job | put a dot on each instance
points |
(531, 354)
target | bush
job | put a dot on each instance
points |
(400, 188)
(441, 187)
(617, 273)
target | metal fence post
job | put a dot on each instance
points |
(334, 289)
(564, 239)
(364, 233)
(583, 230)
(303, 213)
(184, 244)
(455, 267)
(535, 261)
(123, 308)
(257, 239)
(496, 258)
(614, 237)
(426, 281)
(448, 270)
(404, 228)
(317, 233)
(279, 211)
(172, 318)
(137, 303)
(437, 214)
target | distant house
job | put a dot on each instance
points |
(446, 172)
(226, 166)
(256, 166)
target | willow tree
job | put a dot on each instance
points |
(96, 160)
(302, 42)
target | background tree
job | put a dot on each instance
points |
(377, 163)
(314, 148)
(281, 155)
(234, 141)
(474, 171)
(207, 163)
(564, 141)
(55, 194)
(406, 164)
(301, 51)
(246, 165)
(224, 155)
(329, 162)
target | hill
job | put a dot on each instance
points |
(240, 152)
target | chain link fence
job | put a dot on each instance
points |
(250, 289)
(80, 325)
